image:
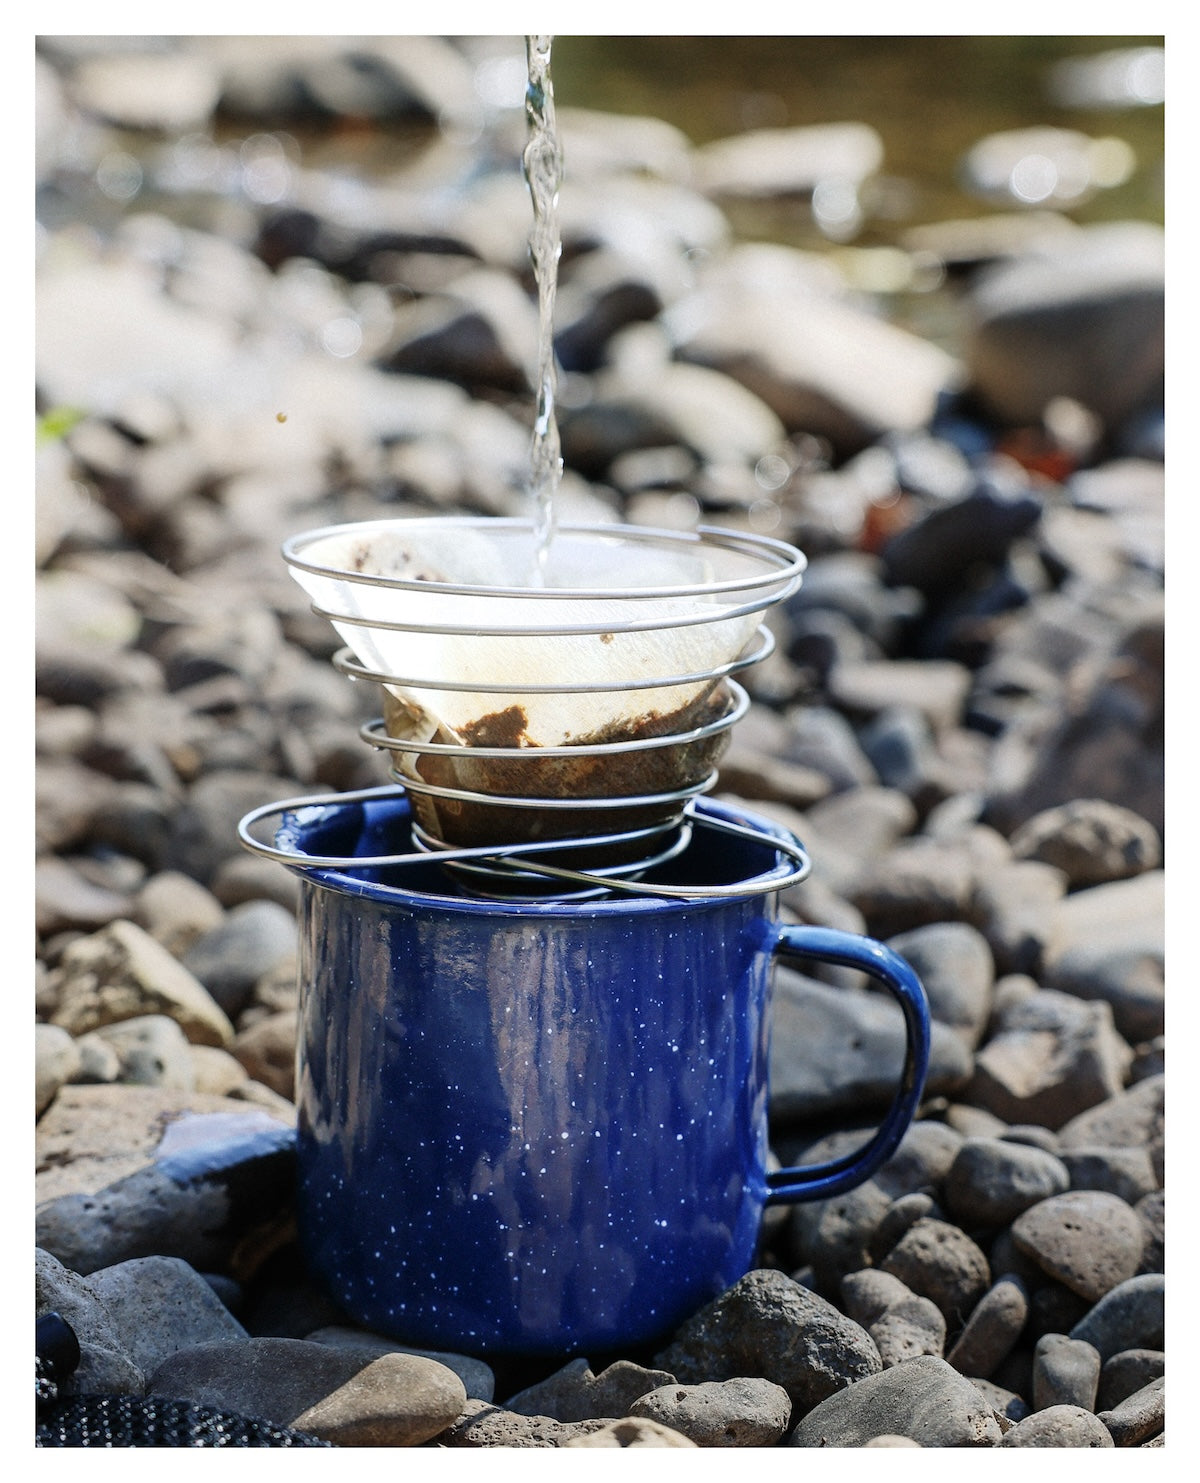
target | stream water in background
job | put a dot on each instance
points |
(542, 161)
(930, 98)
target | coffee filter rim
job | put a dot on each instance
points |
(788, 563)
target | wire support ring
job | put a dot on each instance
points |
(522, 856)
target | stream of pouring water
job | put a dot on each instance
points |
(542, 163)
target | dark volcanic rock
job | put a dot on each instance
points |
(575, 1393)
(724, 1413)
(769, 1326)
(943, 1264)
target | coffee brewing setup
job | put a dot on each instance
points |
(535, 967)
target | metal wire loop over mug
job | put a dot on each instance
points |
(526, 858)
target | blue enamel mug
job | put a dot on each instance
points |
(534, 1127)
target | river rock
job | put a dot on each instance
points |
(858, 822)
(990, 1333)
(804, 355)
(1059, 1426)
(1151, 1210)
(1149, 1059)
(165, 93)
(1108, 945)
(1081, 317)
(922, 1399)
(395, 1400)
(243, 644)
(770, 1327)
(922, 1160)
(907, 755)
(839, 1049)
(900, 1215)
(1052, 1056)
(1129, 1118)
(1057, 166)
(64, 898)
(631, 1431)
(129, 1172)
(267, 1051)
(1127, 1173)
(476, 1376)
(480, 1424)
(936, 689)
(1007, 1407)
(787, 161)
(993, 1180)
(835, 1235)
(913, 1326)
(1066, 1372)
(1031, 1135)
(852, 1222)
(931, 552)
(974, 1122)
(821, 739)
(105, 1364)
(1089, 1240)
(575, 1393)
(1054, 1308)
(724, 1413)
(175, 910)
(1107, 743)
(203, 829)
(916, 884)
(152, 1050)
(940, 1262)
(850, 585)
(247, 943)
(1014, 906)
(867, 1294)
(1124, 1373)
(216, 1071)
(100, 1065)
(120, 972)
(481, 332)
(954, 964)
(56, 1061)
(1128, 1316)
(901, 1323)
(1139, 1416)
(161, 1305)
(701, 409)
(1092, 842)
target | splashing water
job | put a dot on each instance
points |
(542, 163)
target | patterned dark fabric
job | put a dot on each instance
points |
(130, 1420)
(148, 1421)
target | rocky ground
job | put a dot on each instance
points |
(963, 720)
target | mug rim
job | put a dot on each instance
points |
(343, 882)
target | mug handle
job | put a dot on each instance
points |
(827, 944)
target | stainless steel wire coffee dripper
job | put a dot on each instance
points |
(546, 735)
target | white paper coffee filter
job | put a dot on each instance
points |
(658, 611)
